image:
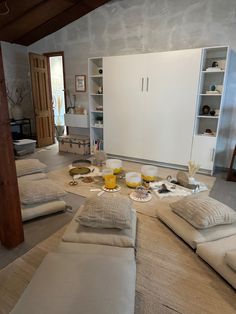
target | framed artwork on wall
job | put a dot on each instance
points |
(80, 83)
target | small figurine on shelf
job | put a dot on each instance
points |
(215, 64)
(100, 90)
(205, 110)
(212, 112)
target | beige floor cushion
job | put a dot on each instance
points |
(116, 237)
(38, 191)
(214, 254)
(41, 209)
(230, 258)
(190, 234)
(29, 166)
(32, 177)
(81, 283)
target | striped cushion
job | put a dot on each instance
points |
(203, 212)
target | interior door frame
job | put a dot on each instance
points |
(56, 54)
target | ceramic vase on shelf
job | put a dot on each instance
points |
(17, 112)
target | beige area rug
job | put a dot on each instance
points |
(62, 177)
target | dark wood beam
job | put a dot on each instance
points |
(59, 21)
(32, 18)
(11, 229)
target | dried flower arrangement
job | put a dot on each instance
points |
(192, 168)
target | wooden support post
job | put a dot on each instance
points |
(232, 169)
(11, 229)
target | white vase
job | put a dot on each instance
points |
(17, 112)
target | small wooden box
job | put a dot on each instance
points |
(76, 144)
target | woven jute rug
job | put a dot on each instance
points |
(62, 177)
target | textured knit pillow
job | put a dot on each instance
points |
(203, 212)
(29, 166)
(106, 212)
(44, 190)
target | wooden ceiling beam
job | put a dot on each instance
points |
(71, 14)
(32, 18)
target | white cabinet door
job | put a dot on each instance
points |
(123, 84)
(203, 151)
(170, 105)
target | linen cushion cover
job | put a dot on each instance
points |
(44, 190)
(106, 212)
(41, 209)
(187, 232)
(203, 212)
(32, 177)
(89, 283)
(230, 258)
(214, 254)
(29, 166)
(116, 237)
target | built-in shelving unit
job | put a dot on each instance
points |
(209, 105)
(95, 76)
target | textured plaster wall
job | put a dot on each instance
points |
(137, 26)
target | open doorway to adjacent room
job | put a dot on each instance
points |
(57, 86)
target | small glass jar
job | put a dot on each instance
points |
(133, 179)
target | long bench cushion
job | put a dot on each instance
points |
(190, 234)
(81, 284)
(41, 209)
(115, 237)
(214, 254)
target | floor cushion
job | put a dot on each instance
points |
(230, 258)
(80, 234)
(100, 283)
(41, 209)
(29, 166)
(37, 191)
(32, 177)
(214, 254)
(187, 232)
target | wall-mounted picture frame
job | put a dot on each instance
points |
(80, 83)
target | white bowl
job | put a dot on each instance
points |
(133, 179)
(115, 164)
(149, 173)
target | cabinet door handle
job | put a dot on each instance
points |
(147, 84)
(213, 154)
(142, 83)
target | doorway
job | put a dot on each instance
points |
(57, 89)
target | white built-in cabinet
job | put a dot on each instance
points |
(152, 105)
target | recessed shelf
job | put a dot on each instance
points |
(96, 111)
(205, 135)
(95, 94)
(97, 75)
(219, 71)
(97, 127)
(208, 117)
(214, 95)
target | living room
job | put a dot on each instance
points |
(171, 277)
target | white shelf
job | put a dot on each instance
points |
(97, 127)
(208, 117)
(205, 135)
(97, 75)
(214, 95)
(95, 94)
(219, 71)
(96, 111)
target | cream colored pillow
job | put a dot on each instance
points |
(230, 258)
(203, 212)
(106, 212)
(29, 166)
(44, 190)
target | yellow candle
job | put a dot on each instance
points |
(110, 181)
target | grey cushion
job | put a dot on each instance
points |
(214, 254)
(230, 258)
(41, 209)
(115, 237)
(29, 166)
(82, 283)
(32, 177)
(203, 212)
(106, 212)
(44, 190)
(190, 234)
